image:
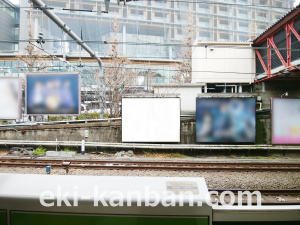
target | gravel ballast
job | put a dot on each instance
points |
(222, 180)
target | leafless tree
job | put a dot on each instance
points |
(117, 79)
(34, 59)
(147, 79)
(184, 74)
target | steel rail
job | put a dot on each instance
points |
(154, 162)
(264, 191)
(140, 165)
(268, 196)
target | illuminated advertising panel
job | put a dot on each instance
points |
(53, 94)
(225, 120)
(151, 119)
(285, 121)
(10, 98)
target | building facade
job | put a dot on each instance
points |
(9, 26)
(156, 29)
(153, 33)
(229, 64)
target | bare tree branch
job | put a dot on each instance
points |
(184, 74)
(117, 78)
(34, 59)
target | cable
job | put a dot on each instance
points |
(174, 60)
(160, 57)
(173, 70)
(54, 56)
(174, 1)
(152, 69)
(217, 45)
(158, 44)
(224, 3)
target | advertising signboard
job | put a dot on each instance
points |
(53, 94)
(285, 121)
(225, 120)
(10, 98)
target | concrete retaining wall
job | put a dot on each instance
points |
(105, 132)
(97, 132)
(275, 88)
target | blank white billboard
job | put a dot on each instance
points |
(10, 98)
(151, 120)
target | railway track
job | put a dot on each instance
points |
(150, 165)
(268, 196)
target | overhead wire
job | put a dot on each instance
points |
(172, 44)
(152, 69)
(221, 45)
(167, 44)
(174, 1)
(154, 59)
(54, 56)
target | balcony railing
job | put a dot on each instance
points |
(203, 24)
(261, 18)
(160, 4)
(244, 16)
(201, 10)
(223, 13)
(137, 17)
(246, 29)
(204, 38)
(160, 19)
(224, 26)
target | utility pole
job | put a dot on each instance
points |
(42, 6)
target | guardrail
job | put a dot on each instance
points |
(143, 146)
(61, 122)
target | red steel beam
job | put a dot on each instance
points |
(270, 40)
(261, 61)
(269, 59)
(289, 27)
(294, 31)
(293, 15)
(288, 44)
(277, 77)
(267, 78)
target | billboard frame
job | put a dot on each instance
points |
(151, 97)
(272, 123)
(19, 98)
(49, 74)
(226, 97)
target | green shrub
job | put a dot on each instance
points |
(83, 116)
(40, 151)
(88, 116)
(59, 118)
(69, 150)
(4, 122)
